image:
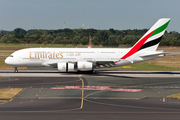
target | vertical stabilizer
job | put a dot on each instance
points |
(155, 33)
(150, 40)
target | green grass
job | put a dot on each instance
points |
(148, 66)
(4, 101)
(22, 46)
(144, 66)
(9, 93)
(5, 54)
(175, 96)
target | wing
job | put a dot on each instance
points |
(97, 64)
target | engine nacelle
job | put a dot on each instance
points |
(85, 66)
(81, 66)
(65, 67)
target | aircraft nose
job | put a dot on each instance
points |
(8, 61)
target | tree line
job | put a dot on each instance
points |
(109, 37)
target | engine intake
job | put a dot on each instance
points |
(85, 66)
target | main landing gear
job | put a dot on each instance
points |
(15, 70)
(86, 72)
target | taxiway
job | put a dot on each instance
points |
(104, 95)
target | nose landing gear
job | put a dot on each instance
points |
(15, 70)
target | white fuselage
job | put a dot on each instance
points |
(38, 56)
(50, 57)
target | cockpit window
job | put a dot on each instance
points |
(11, 56)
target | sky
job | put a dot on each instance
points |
(100, 14)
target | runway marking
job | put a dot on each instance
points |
(102, 88)
(82, 92)
(121, 88)
(92, 94)
(104, 98)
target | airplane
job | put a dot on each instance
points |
(85, 59)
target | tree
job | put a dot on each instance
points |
(84, 41)
(19, 32)
(105, 43)
(77, 38)
(14, 40)
(103, 35)
(81, 36)
(112, 30)
(39, 41)
(95, 40)
(165, 43)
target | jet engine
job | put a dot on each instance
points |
(79, 66)
(65, 67)
(85, 66)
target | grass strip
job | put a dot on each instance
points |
(9, 93)
(144, 66)
(175, 96)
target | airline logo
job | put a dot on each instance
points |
(50, 55)
(84, 66)
(45, 55)
(142, 44)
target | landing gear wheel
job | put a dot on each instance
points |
(15, 70)
(93, 71)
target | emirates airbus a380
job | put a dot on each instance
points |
(88, 59)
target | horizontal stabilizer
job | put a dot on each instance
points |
(153, 54)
